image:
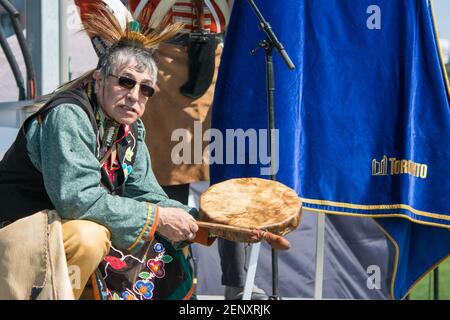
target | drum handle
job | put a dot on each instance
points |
(277, 242)
(225, 227)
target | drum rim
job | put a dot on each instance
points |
(287, 225)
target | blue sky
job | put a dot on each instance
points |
(442, 12)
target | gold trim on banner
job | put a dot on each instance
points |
(393, 206)
(374, 216)
(394, 273)
(378, 207)
(397, 250)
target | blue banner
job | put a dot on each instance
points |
(363, 122)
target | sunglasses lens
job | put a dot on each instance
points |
(127, 82)
(147, 90)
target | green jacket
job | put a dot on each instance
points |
(63, 149)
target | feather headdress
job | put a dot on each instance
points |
(109, 23)
(114, 25)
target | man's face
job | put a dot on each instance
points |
(119, 103)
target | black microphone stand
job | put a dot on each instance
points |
(268, 45)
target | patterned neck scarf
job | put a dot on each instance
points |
(109, 134)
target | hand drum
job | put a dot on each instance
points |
(236, 208)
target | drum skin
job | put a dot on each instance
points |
(251, 203)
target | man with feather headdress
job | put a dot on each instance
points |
(188, 66)
(83, 154)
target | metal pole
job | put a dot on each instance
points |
(270, 78)
(63, 43)
(13, 64)
(268, 45)
(14, 16)
(43, 40)
(251, 271)
(271, 37)
(320, 240)
(436, 283)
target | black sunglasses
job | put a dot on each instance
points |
(129, 84)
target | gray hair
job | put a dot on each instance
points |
(121, 56)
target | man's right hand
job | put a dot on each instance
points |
(176, 224)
